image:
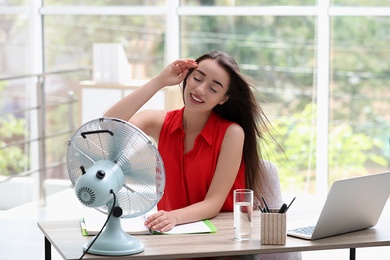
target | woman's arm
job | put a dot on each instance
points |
(228, 164)
(173, 74)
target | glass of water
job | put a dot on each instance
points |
(243, 213)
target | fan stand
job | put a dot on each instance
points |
(114, 240)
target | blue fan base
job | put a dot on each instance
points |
(114, 241)
(123, 245)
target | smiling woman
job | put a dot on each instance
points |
(208, 86)
(203, 143)
(209, 146)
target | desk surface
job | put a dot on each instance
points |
(66, 238)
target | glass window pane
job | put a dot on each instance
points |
(246, 2)
(141, 36)
(13, 2)
(360, 3)
(14, 128)
(106, 2)
(14, 94)
(360, 94)
(62, 117)
(279, 53)
(14, 42)
(72, 47)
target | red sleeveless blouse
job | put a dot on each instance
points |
(188, 176)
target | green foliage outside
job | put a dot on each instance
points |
(349, 152)
(13, 159)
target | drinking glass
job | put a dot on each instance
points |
(243, 213)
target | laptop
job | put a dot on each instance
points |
(352, 204)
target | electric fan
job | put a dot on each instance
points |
(115, 168)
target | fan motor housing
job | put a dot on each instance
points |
(94, 187)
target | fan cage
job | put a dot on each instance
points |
(132, 150)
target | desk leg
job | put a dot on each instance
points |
(47, 249)
(352, 253)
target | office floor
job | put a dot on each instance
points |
(27, 242)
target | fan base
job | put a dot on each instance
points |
(126, 245)
(114, 241)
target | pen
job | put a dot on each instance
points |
(289, 205)
(283, 208)
(260, 208)
(266, 206)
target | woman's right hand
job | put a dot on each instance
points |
(175, 72)
(161, 221)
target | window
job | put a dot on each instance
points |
(359, 95)
(278, 53)
(327, 97)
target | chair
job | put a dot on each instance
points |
(274, 197)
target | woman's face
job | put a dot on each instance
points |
(206, 86)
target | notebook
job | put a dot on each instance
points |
(352, 204)
(91, 224)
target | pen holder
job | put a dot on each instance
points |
(273, 228)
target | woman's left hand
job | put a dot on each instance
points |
(161, 221)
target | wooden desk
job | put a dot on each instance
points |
(66, 238)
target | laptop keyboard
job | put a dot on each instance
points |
(304, 230)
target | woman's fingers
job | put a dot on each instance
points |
(179, 66)
(160, 221)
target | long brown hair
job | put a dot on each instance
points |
(243, 109)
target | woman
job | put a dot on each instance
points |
(210, 146)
